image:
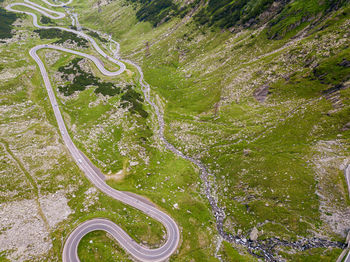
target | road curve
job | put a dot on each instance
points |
(70, 249)
(347, 259)
(57, 5)
(347, 177)
(46, 12)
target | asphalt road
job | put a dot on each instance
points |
(347, 177)
(347, 259)
(71, 244)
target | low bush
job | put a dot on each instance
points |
(7, 19)
(82, 80)
(97, 36)
(45, 20)
(63, 36)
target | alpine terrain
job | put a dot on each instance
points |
(175, 130)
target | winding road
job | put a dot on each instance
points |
(347, 177)
(173, 235)
(70, 249)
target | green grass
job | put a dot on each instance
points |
(191, 70)
(106, 152)
(316, 254)
(231, 255)
(28, 87)
(97, 246)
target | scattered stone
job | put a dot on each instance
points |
(254, 234)
(247, 152)
(344, 63)
(134, 163)
(346, 127)
(261, 93)
(24, 234)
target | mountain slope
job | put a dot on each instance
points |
(256, 91)
(256, 106)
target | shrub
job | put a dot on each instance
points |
(63, 36)
(7, 19)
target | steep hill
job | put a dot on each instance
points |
(281, 16)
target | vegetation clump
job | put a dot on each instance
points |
(282, 17)
(7, 19)
(82, 80)
(135, 100)
(286, 15)
(63, 36)
(155, 12)
(45, 20)
(97, 36)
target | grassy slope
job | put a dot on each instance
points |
(275, 182)
(27, 86)
(77, 112)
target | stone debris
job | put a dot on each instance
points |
(330, 161)
(254, 234)
(6, 75)
(55, 208)
(261, 93)
(91, 197)
(52, 56)
(24, 234)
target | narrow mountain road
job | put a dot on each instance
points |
(347, 177)
(264, 248)
(70, 249)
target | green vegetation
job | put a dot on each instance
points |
(82, 80)
(97, 36)
(62, 36)
(7, 19)
(229, 254)
(161, 11)
(333, 71)
(155, 11)
(97, 246)
(261, 154)
(227, 13)
(286, 17)
(135, 100)
(298, 14)
(315, 255)
(45, 20)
